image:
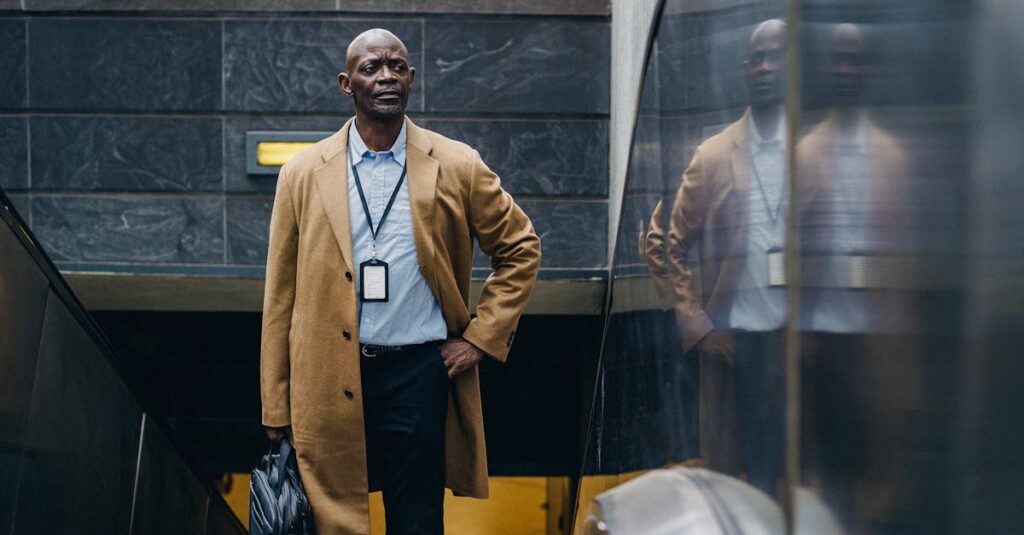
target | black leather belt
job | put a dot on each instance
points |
(370, 350)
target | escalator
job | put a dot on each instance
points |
(78, 453)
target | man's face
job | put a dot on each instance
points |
(848, 65)
(379, 78)
(765, 67)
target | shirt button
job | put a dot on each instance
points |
(349, 394)
(347, 335)
(348, 275)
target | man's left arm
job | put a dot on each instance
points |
(506, 235)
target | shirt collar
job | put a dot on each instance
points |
(359, 151)
(756, 139)
(855, 138)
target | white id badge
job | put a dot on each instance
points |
(776, 268)
(858, 272)
(373, 281)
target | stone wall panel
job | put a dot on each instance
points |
(12, 64)
(124, 64)
(126, 154)
(13, 153)
(293, 64)
(557, 66)
(134, 229)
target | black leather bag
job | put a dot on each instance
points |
(277, 501)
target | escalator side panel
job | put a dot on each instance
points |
(23, 292)
(81, 451)
(168, 499)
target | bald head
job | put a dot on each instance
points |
(849, 65)
(766, 63)
(769, 30)
(371, 39)
(848, 36)
(378, 76)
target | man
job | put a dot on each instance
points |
(369, 353)
(731, 205)
(865, 377)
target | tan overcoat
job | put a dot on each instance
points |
(710, 212)
(309, 359)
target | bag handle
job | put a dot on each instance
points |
(285, 450)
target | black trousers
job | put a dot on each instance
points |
(405, 407)
(742, 405)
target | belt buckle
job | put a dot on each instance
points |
(365, 353)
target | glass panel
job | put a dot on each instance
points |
(691, 378)
(881, 162)
(889, 349)
(990, 399)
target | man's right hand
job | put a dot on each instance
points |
(718, 345)
(275, 434)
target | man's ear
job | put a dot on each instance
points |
(343, 83)
(412, 77)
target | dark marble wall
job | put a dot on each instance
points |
(13, 153)
(122, 134)
(511, 7)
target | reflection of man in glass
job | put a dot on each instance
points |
(859, 380)
(854, 203)
(731, 206)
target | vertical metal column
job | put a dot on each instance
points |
(791, 475)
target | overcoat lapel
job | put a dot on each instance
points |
(741, 159)
(422, 172)
(742, 164)
(332, 185)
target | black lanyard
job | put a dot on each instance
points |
(366, 208)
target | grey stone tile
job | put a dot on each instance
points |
(512, 7)
(12, 64)
(671, 79)
(181, 5)
(248, 230)
(131, 229)
(538, 157)
(235, 176)
(649, 92)
(126, 154)
(572, 234)
(293, 65)
(554, 66)
(516, 7)
(23, 204)
(13, 153)
(83, 437)
(644, 171)
(125, 64)
(10, 5)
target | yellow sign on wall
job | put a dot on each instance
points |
(277, 153)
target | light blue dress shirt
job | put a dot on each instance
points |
(757, 306)
(411, 315)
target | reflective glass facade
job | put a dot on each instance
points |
(814, 301)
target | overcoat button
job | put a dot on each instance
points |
(347, 335)
(349, 394)
(348, 275)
